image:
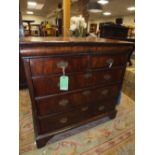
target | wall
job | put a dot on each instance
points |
(51, 20)
(127, 21)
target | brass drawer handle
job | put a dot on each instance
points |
(63, 103)
(101, 108)
(107, 77)
(88, 75)
(63, 120)
(84, 108)
(62, 64)
(105, 92)
(87, 92)
(110, 62)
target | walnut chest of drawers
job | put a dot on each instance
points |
(95, 68)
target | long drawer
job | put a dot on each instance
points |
(49, 66)
(79, 114)
(67, 101)
(50, 85)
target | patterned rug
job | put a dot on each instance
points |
(101, 137)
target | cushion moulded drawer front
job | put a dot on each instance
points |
(50, 85)
(81, 113)
(103, 106)
(108, 61)
(48, 66)
(113, 49)
(53, 123)
(65, 102)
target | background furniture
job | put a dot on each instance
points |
(129, 81)
(93, 28)
(95, 68)
(131, 32)
(51, 31)
(29, 25)
(35, 29)
(113, 31)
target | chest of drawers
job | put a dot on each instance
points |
(95, 68)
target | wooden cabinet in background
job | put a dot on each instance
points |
(113, 31)
(93, 28)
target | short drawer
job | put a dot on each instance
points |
(108, 61)
(66, 102)
(48, 66)
(104, 106)
(58, 122)
(50, 85)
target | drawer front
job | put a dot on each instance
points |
(114, 49)
(108, 61)
(104, 106)
(66, 102)
(50, 85)
(48, 66)
(60, 121)
(80, 114)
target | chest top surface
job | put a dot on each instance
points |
(39, 46)
(66, 40)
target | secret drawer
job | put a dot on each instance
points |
(65, 102)
(60, 121)
(54, 65)
(108, 61)
(50, 85)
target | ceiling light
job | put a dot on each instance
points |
(32, 3)
(95, 11)
(107, 13)
(132, 8)
(29, 12)
(39, 6)
(94, 7)
(103, 2)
